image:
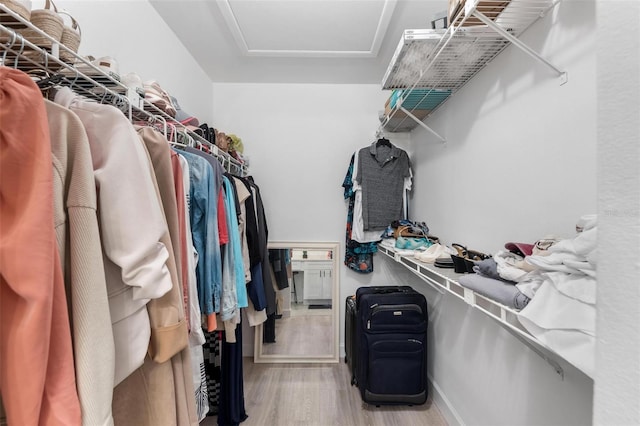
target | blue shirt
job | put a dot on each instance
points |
(203, 213)
(234, 290)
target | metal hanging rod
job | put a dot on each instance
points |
(92, 82)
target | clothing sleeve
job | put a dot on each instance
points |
(132, 222)
(223, 229)
(348, 181)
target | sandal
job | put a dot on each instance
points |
(464, 261)
(458, 260)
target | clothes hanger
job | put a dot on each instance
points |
(383, 142)
(48, 86)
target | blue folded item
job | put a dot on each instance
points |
(412, 243)
(425, 99)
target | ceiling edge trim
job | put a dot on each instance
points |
(236, 32)
(232, 23)
(383, 25)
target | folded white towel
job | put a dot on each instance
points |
(509, 265)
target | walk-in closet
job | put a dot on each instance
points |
(207, 206)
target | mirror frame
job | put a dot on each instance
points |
(334, 357)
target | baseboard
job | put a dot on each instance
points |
(444, 405)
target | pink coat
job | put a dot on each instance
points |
(37, 378)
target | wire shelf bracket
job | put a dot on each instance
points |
(422, 124)
(471, 9)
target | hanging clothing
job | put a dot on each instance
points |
(243, 193)
(169, 326)
(204, 231)
(196, 335)
(36, 361)
(255, 288)
(357, 256)
(263, 238)
(357, 230)
(167, 368)
(278, 259)
(213, 364)
(182, 209)
(233, 248)
(134, 256)
(78, 236)
(232, 410)
(381, 172)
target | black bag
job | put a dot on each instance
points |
(391, 331)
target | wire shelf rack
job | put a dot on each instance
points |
(446, 59)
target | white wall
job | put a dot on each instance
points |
(519, 163)
(133, 33)
(299, 139)
(617, 383)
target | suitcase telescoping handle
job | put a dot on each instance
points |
(387, 290)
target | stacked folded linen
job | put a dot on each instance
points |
(562, 314)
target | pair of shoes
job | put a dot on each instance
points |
(434, 252)
(157, 96)
(411, 243)
(443, 262)
(94, 68)
(464, 261)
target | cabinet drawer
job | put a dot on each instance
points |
(315, 265)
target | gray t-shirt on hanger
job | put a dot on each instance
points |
(382, 170)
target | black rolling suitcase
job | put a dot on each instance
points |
(349, 336)
(391, 330)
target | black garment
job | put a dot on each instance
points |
(253, 240)
(255, 288)
(278, 259)
(232, 410)
(263, 235)
(269, 329)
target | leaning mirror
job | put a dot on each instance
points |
(306, 325)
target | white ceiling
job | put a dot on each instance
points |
(295, 41)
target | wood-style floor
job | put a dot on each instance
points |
(300, 335)
(318, 395)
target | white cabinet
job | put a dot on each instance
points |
(318, 279)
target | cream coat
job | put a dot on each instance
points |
(76, 224)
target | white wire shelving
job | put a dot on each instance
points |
(445, 281)
(47, 68)
(436, 60)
